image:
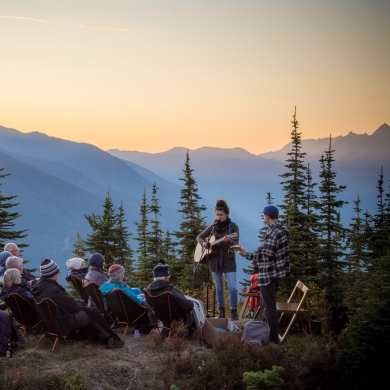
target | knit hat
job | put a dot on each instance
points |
(271, 211)
(162, 269)
(96, 260)
(74, 263)
(116, 271)
(3, 257)
(49, 268)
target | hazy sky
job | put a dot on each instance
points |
(149, 75)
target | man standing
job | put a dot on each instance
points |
(274, 264)
(70, 315)
(15, 251)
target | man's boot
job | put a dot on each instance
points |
(233, 315)
(221, 312)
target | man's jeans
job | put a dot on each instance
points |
(231, 281)
(268, 308)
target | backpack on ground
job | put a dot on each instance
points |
(256, 332)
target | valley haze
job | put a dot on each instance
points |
(58, 182)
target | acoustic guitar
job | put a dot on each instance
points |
(202, 255)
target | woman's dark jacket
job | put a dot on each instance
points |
(223, 258)
(79, 273)
(159, 286)
(17, 288)
(67, 306)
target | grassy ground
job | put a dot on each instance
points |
(140, 364)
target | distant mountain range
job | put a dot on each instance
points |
(58, 182)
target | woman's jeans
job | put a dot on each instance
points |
(232, 286)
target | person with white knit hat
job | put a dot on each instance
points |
(71, 316)
(77, 267)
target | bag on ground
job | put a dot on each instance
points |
(198, 312)
(256, 332)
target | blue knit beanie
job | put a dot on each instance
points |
(48, 268)
(3, 258)
(271, 211)
(96, 260)
(162, 269)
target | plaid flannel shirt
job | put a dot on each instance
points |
(273, 258)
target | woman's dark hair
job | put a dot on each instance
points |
(222, 206)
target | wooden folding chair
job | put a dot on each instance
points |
(25, 313)
(248, 296)
(299, 308)
(78, 285)
(164, 308)
(125, 311)
(47, 310)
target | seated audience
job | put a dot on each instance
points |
(15, 251)
(70, 315)
(117, 273)
(76, 267)
(96, 273)
(17, 263)
(3, 258)
(12, 283)
(161, 283)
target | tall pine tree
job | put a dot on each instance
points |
(193, 224)
(103, 238)
(145, 260)
(123, 252)
(7, 218)
(294, 187)
(331, 231)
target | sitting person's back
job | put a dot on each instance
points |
(70, 314)
(117, 273)
(161, 283)
(12, 283)
(76, 267)
(96, 272)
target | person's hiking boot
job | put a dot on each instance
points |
(221, 312)
(113, 343)
(233, 315)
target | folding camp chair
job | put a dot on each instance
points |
(97, 298)
(164, 308)
(125, 311)
(25, 313)
(299, 308)
(78, 285)
(47, 310)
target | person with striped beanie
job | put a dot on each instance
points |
(71, 316)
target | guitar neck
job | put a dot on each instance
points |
(220, 239)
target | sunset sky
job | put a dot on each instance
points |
(154, 74)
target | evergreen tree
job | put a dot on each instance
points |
(193, 224)
(331, 231)
(308, 269)
(123, 252)
(79, 249)
(377, 239)
(293, 216)
(104, 230)
(357, 256)
(7, 218)
(146, 262)
(169, 253)
(155, 233)
(364, 361)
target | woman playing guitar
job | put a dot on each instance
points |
(223, 257)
